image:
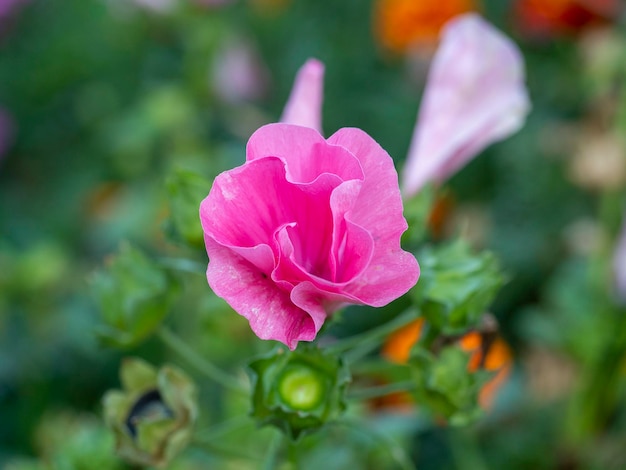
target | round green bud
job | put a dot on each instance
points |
(301, 387)
(298, 391)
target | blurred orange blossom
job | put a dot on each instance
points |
(490, 354)
(400, 25)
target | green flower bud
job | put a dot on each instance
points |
(456, 286)
(134, 295)
(298, 391)
(153, 416)
(446, 385)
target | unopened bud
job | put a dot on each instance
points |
(153, 416)
(298, 391)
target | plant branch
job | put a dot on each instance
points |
(222, 451)
(381, 390)
(176, 344)
(271, 458)
(376, 334)
(396, 452)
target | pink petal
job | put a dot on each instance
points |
(291, 268)
(247, 204)
(391, 271)
(344, 258)
(270, 311)
(316, 302)
(304, 107)
(352, 245)
(304, 151)
(475, 96)
(306, 244)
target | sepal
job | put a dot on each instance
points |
(298, 391)
(152, 418)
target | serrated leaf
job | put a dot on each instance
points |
(186, 190)
(456, 286)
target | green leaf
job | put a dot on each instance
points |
(186, 190)
(445, 385)
(416, 211)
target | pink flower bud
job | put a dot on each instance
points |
(475, 95)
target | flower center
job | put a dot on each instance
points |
(301, 387)
(148, 407)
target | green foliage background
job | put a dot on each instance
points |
(112, 103)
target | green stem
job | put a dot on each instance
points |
(223, 451)
(176, 344)
(271, 458)
(292, 454)
(354, 355)
(381, 391)
(395, 451)
(375, 334)
(430, 334)
(598, 397)
(378, 366)
(220, 430)
(465, 450)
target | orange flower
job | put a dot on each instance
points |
(398, 346)
(440, 214)
(493, 357)
(491, 354)
(553, 17)
(401, 24)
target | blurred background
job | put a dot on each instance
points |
(108, 106)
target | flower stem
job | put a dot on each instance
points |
(465, 451)
(293, 454)
(224, 452)
(220, 430)
(176, 344)
(375, 334)
(381, 391)
(271, 458)
(396, 452)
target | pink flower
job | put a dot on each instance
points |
(475, 95)
(619, 265)
(306, 224)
